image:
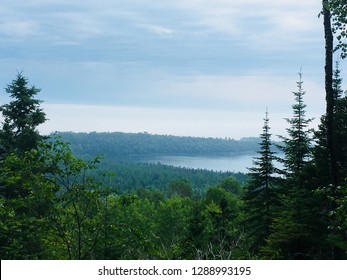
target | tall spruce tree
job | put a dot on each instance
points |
(18, 134)
(333, 197)
(295, 229)
(296, 146)
(26, 194)
(340, 122)
(260, 196)
(340, 137)
(22, 116)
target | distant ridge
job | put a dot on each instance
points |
(114, 144)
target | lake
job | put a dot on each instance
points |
(234, 162)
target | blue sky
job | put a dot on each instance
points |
(182, 67)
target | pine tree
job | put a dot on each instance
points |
(260, 196)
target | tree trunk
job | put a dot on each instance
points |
(329, 47)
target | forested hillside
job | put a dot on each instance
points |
(128, 176)
(118, 144)
(119, 149)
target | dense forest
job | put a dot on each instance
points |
(122, 153)
(58, 202)
(117, 144)
(127, 176)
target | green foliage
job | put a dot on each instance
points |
(172, 225)
(260, 197)
(338, 9)
(230, 184)
(21, 118)
(338, 216)
(130, 176)
(27, 199)
(125, 146)
(180, 187)
(297, 146)
(297, 230)
(320, 151)
(77, 213)
(193, 242)
(223, 229)
(128, 231)
(335, 219)
(333, 195)
(26, 194)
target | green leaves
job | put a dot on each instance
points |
(338, 9)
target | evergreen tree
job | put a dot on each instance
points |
(260, 197)
(340, 138)
(27, 198)
(333, 197)
(340, 122)
(22, 116)
(18, 134)
(25, 190)
(295, 232)
(297, 146)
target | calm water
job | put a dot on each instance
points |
(236, 163)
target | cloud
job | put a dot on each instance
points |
(18, 28)
(156, 29)
(243, 19)
(200, 36)
(256, 23)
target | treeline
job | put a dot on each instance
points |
(54, 205)
(127, 176)
(118, 144)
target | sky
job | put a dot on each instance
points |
(179, 67)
